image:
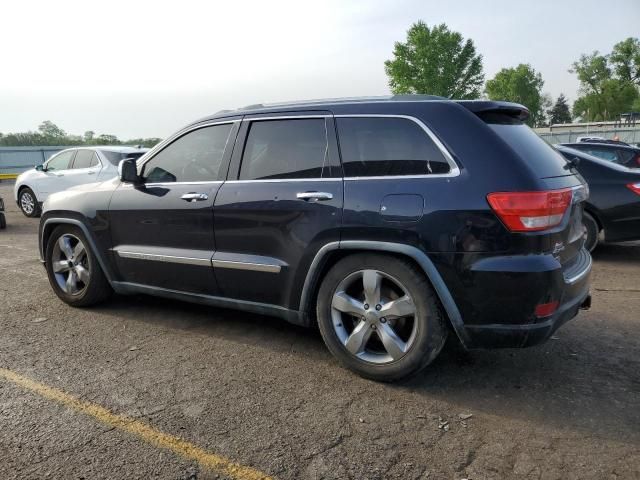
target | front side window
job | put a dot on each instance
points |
(194, 157)
(83, 159)
(378, 146)
(60, 161)
(285, 149)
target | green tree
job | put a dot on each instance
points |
(560, 112)
(435, 61)
(88, 136)
(523, 85)
(51, 130)
(613, 98)
(625, 60)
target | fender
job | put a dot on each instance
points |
(92, 244)
(414, 253)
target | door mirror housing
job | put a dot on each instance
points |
(128, 171)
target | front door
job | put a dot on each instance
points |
(281, 204)
(162, 229)
(55, 176)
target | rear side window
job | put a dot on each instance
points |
(377, 146)
(285, 149)
(537, 153)
(60, 161)
(609, 155)
(115, 157)
(83, 159)
(194, 157)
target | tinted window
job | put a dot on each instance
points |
(83, 159)
(285, 149)
(537, 153)
(387, 146)
(194, 157)
(605, 154)
(60, 161)
(115, 157)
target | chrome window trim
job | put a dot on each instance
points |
(454, 169)
(286, 117)
(255, 267)
(164, 258)
(273, 180)
(168, 184)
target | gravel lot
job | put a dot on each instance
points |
(268, 395)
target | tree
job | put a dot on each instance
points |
(88, 136)
(523, 85)
(560, 112)
(51, 130)
(435, 61)
(608, 83)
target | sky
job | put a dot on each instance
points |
(144, 69)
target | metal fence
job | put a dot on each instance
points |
(568, 135)
(15, 160)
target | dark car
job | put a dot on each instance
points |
(390, 222)
(616, 152)
(612, 212)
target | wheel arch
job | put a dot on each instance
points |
(49, 225)
(331, 253)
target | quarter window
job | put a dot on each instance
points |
(194, 157)
(285, 149)
(378, 146)
(60, 161)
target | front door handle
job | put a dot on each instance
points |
(314, 196)
(194, 197)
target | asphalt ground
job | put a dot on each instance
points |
(141, 387)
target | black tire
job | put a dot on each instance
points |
(97, 288)
(26, 197)
(428, 321)
(593, 231)
(3, 221)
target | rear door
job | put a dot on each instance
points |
(85, 167)
(281, 203)
(162, 229)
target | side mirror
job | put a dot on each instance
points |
(128, 171)
(40, 168)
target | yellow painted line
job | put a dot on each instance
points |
(211, 461)
(8, 176)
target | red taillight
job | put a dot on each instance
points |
(546, 309)
(634, 187)
(530, 211)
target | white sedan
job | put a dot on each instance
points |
(70, 167)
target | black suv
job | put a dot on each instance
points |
(388, 222)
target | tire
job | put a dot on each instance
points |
(593, 231)
(356, 337)
(3, 221)
(88, 286)
(28, 203)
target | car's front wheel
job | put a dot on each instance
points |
(73, 270)
(28, 203)
(379, 316)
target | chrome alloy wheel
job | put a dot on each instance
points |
(374, 316)
(27, 203)
(70, 264)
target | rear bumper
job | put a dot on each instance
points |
(499, 295)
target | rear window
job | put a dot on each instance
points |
(540, 156)
(115, 157)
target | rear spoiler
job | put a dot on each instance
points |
(479, 107)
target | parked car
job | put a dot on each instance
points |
(612, 212)
(70, 167)
(389, 222)
(616, 152)
(3, 219)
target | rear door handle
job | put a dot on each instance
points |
(314, 195)
(194, 197)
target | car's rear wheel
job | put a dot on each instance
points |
(379, 316)
(593, 231)
(28, 203)
(73, 270)
(3, 221)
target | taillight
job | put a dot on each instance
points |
(634, 187)
(546, 309)
(530, 211)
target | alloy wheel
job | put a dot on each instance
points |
(374, 316)
(70, 264)
(27, 203)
